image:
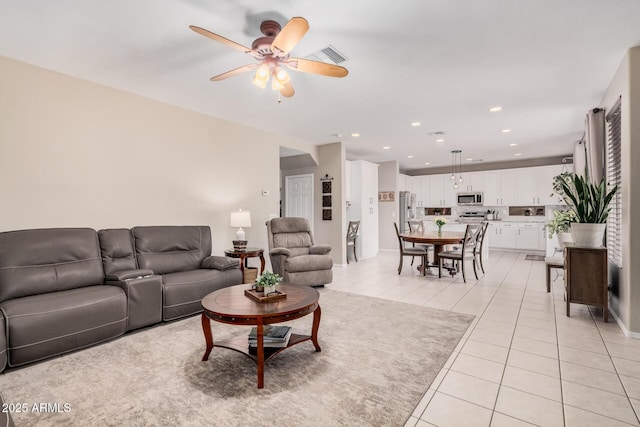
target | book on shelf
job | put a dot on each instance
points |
(274, 336)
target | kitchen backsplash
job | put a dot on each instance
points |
(503, 213)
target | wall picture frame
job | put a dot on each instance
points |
(386, 196)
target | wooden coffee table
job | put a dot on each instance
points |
(230, 305)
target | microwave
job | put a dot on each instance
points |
(470, 199)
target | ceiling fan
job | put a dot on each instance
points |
(272, 52)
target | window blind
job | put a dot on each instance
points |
(614, 177)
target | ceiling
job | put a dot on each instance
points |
(442, 63)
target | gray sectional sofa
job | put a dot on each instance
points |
(67, 288)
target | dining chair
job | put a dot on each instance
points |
(412, 252)
(352, 237)
(418, 226)
(467, 252)
(480, 244)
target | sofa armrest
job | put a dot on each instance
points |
(144, 299)
(280, 251)
(319, 250)
(128, 274)
(219, 263)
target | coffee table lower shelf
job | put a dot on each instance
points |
(241, 345)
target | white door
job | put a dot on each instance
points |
(299, 197)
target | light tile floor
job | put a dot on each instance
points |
(523, 361)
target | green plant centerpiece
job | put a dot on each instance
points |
(440, 221)
(590, 202)
(267, 282)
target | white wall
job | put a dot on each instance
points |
(74, 154)
(626, 84)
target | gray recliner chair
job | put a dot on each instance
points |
(295, 256)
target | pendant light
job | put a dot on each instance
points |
(456, 167)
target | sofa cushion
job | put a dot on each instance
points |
(309, 263)
(170, 249)
(220, 263)
(183, 291)
(290, 225)
(48, 260)
(116, 247)
(46, 325)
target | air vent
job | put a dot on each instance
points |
(437, 133)
(328, 54)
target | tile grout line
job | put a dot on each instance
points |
(436, 390)
(635, 412)
(555, 322)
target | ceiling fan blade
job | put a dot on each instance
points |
(287, 90)
(290, 35)
(221, 39)
(234, 72)
(316, 67)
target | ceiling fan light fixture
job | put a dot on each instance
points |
(262, 76)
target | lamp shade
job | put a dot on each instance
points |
(240, 218)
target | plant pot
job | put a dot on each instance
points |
(564, 238)
(589, 235)
(269, 289)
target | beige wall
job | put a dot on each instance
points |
(331, 160)
(74, 153)
(626, 84)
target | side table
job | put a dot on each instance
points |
(244, 254)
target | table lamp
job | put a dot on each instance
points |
(240, 219)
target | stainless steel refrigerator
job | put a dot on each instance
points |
(407, 210)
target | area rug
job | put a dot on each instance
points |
(532, 257)
(378, 358)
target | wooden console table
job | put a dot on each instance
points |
(586, 277)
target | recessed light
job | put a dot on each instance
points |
(506, 130)
(355, 135)
(518, 154)
(513, 145)
(386, 148)
(469, 159)
(495, 109)
(427, 163)
(439, 140)
(410, 156)
(414, 124)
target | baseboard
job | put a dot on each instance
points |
(625, 331)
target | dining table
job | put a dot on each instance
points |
(435, 238)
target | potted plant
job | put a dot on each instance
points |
(561, 225)
(557, 184)
(268, 281)
(590, 204)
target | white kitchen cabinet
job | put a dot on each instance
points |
(414, 184)
(542, 237)
(504, 236)
(535, 185)
(441, 192)
(364, 206)
(472, 181)
(500, 187)
(547, 196)
(528, 235)
(425, 190)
